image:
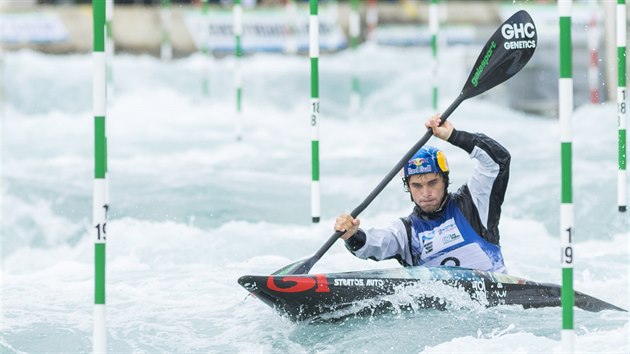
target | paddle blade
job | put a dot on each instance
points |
(504, 55)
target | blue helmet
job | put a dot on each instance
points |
(426, 160)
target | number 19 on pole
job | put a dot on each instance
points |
(567, 248)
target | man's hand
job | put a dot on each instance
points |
(347, 224)
(444, 131)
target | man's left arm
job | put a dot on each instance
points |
(488, 183)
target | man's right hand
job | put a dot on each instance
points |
(348, 224)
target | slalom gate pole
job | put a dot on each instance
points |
(355, 32)
(593, 45)
(109, 47)
(205, 84)
(100, 192)
(166, 49)
(238, 53)
(566, 207)
(314, 55)
(434, 24)
(622, 175)
(371, 20)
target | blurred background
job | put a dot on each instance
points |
(192, 208)
(193, 26)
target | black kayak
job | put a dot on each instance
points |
(322, 297)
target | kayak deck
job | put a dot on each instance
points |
(318, 296)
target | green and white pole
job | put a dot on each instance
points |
(314, 54)
(355, 33)
(109, 47)
(205, 49)
(100, 193)
(166, 49)
(622, 179)
(567, 231)
(434, 25)
(238, 53)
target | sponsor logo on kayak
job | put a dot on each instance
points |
(319, 282)
(478, 285)
(500, 292)
(250, 286)
(349, 282)
(479, 290)
(519, 35)
(297, 284)
(358, 282)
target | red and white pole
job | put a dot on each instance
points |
(593, 44)
(371, 20)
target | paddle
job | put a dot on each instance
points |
(505, 54)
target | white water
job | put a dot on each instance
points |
(192, 209)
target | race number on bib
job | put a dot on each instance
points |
(468, 256)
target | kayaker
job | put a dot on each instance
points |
(451, 229)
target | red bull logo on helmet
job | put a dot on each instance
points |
(420, 165)
(426, 160)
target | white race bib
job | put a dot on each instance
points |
(439, 238)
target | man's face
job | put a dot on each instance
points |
(427, 190)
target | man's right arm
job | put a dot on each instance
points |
(381, 244)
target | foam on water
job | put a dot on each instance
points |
(192, 209)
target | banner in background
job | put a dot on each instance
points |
(32, 28)
(263, 30)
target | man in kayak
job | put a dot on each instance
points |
(451, 229)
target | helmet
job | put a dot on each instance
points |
(426, 160)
